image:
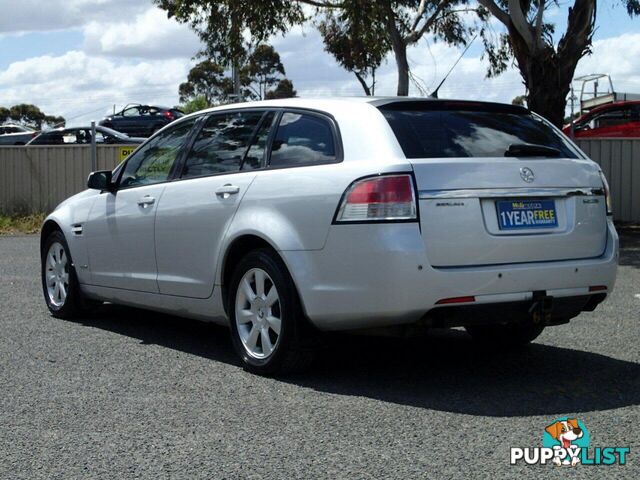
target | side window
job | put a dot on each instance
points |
(302, 139)
(152, 163)
(221, 144)
(612, 117)
(84, 136)
(131, 112)
(54, 138)
(70, 138)
(255, 154)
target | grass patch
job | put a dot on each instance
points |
(21, 224)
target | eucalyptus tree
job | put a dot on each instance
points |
(226, 27)
(547, 62)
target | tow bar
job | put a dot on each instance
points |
(541, 307)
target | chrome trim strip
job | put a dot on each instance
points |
(509, 192)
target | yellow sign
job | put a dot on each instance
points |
(125, 152)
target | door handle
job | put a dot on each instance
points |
(227, 190)
(146, 201)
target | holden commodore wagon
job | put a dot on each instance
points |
(286, 218)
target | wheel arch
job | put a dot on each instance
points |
(236, 250)
(48, 227)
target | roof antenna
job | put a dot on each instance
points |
(434, 94)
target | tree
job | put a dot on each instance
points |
(263, 68)
(205, 80)
(29, 115)
(284, 89)
(225, 25)
(209, 84)
(358, 41)
(405, 23)
(519, 100)
(547, 67)
(408, 21)
(195, 104)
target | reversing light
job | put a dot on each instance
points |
(607, 194)
(383, 198)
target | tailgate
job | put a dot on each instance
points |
(484, 216)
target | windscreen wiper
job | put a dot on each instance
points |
(531, 150)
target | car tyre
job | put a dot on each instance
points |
(519, 333)
(59, 280)
(268, 327)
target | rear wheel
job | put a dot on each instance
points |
(268, 328)
(59, 281)
(505, 334)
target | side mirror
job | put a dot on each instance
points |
(100, 180)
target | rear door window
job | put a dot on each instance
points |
(221, 144)
(302, 139)
(468, 130)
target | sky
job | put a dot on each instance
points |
(83, 58)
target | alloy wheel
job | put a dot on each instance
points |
(57, 274)
(258, 313)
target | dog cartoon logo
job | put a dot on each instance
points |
(567, 437)
(567, 442)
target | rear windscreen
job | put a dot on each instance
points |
(468, 130)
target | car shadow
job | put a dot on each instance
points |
(443, 371)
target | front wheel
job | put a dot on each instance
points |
(268, 327)
(505, 334)
(59, 281)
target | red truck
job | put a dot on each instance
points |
(612, 120)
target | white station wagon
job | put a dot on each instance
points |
(290, 217)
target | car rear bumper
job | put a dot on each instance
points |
(377, 275)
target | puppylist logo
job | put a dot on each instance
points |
(566, 442)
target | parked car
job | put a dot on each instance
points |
(82, 136)
(289, 217)
(12, 134)
(141, 120)
(615, 120)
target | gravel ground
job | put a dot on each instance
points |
(130, 394)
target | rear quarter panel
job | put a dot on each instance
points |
(292, 208)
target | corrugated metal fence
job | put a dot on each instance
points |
(36, 179)
(620, 162)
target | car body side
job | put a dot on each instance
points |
(347, 276)
(11, 134)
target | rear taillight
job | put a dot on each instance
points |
(607, 194)
(168, 115)
(383, 198)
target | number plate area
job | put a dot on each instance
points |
(520, 214)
